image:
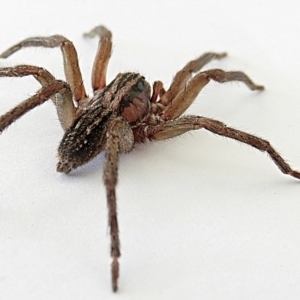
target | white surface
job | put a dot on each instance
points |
(201, 217)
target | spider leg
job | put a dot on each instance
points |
(186, 96)
(119, 139)
(39, 98)
(185, 74)
(102, 56)
(71, 65)
(181, 125)
(62, 99)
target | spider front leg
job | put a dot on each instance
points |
(179, 104)
(39, 98)
(161, 98)
(102, 56)
(181, 125)
(184, 75)
(71, 65)
(119, 139)
(62, 99)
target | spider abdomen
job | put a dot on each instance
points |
(84, 139)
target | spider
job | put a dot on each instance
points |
(122, 113)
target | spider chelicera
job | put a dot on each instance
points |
(122, 113)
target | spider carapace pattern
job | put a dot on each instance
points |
(122, 113)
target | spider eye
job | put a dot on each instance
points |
(141, 85)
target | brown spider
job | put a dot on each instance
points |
(122, 113)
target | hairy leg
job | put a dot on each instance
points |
(181, 125)
(62, 99)
(102, 56)
(71, 65)
(185, 74)
(119, 139)
(186, 96)
(39, 98)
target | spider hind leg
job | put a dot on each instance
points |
(182, 125)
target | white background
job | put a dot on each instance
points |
(201, 217)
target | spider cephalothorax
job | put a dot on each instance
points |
(122, 113)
